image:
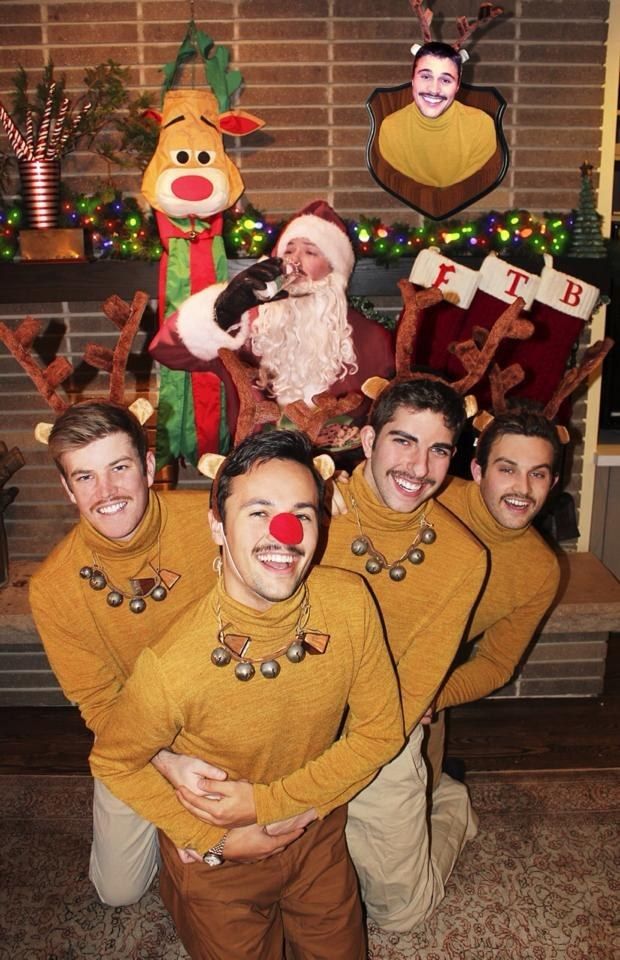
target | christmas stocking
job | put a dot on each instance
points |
(442, 323)
(499, 284)
(561, 307)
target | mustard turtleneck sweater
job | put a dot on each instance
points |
(91, 646)
(523, 580)
(280, 734)
(438, 152)
(425, 614)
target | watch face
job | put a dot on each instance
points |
(212, 859)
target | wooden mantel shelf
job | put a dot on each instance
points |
(31, 282)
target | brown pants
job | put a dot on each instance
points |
(307, 894)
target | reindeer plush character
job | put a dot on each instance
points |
(189, 182)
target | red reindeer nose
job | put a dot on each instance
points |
(286, 528)
(192, 188)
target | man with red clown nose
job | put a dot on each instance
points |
(258, 676)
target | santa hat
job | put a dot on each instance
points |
(319, 223)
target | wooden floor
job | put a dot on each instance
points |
(487, 735)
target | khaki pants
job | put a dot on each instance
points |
(435, 747)
(402, 864)
(124, 856)
(306, 894)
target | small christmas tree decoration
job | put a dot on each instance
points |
(587, 237)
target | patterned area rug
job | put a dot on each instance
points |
(540, 882)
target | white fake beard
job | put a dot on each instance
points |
(304, 342)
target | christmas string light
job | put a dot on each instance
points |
(119, 228)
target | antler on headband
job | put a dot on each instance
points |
(474, 354)
(503, 380)
(127, 318)
(46, 379)
(592, 358)
(252, 409)
(465, 26)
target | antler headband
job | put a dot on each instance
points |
(503, 380)
(475, 354)
(126, 318)
(465, 26)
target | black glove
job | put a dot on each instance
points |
(240, 294)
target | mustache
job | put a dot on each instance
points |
(108, 500)
(520, 496)
(405, 476)
(278, 548)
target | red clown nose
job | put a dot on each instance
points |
(286, 528)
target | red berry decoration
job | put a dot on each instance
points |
(286, 528)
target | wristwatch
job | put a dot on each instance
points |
(213, 857)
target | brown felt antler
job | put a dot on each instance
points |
(592, 358)
(476, 358)
(414, 301)
(312, 419)
(252, 409)
(425, 17)
(127, 318)
(45, 379)
(501, 381)
(465, 26)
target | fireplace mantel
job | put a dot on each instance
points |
(31, 282)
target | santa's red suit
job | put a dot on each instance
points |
(354, 346)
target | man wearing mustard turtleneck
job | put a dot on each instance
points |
(425, 570)
(435, 140)
(259, 676)
(515, 468)
(111, 587)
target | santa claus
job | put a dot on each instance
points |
(305, 342)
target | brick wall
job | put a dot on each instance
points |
(308, 69)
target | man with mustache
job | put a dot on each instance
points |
(305, 342)
(514, 469)
(436, 140)
(425, 571)
(259, 676)
(112, 586)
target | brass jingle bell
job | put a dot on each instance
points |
(428, 535)
(398, 572)
(296, 652)
(114, 598)
(97, 581)
(359, 546)
(373, 565)
(220, 657)
(415, 556)
(86, 573)
(270, 669)
(244, 671)
(137, 605)
(159, 593)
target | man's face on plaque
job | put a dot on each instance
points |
(107, 482)
(407, 461)
(435, 84)
(258, 568)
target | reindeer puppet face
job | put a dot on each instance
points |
(189, 173)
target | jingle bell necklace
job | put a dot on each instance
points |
(377, 562)
(143, 588)
(287, 529)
